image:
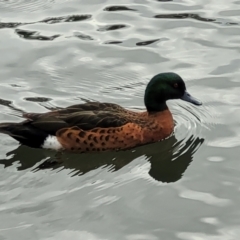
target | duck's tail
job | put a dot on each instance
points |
(24, 133)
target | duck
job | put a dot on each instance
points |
(100, 126)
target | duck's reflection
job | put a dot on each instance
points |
(169, 159)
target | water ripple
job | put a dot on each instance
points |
(118, 8)
(38, 99)
(52, 20)
(9, 25)
(34, 35)
(27, 5)
(113, 42)
(82, 36)
(144, 43)
(184, 16)
(207, 198)
(112, 27)
(72, 18)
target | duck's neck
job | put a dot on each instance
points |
(156, 107)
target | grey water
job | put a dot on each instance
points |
(55, 53)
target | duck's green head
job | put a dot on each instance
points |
(163, 87)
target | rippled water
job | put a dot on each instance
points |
(58, 52)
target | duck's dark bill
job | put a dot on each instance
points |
(188, 98)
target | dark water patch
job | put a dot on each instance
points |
(112, 42)
(49, 163)
(15, 85)
(82, 36)
(118, 8)
(231, 23)
(226, 23)
(184, 16)
(5, 102)
(112, 27)
(37, 99)
(10, 105)
(10, 24)
(144, 43)
(181, 157)
(72, 18)
(34, 35)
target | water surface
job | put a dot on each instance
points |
(55, 53)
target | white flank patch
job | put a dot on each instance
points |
(51, 142)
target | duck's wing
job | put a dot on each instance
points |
(85, 120)
(97, 106)
(90, 106)
(85, 116)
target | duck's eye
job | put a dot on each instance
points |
(175, 85)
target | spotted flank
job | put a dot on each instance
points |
(97, 127)
(99, 139)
